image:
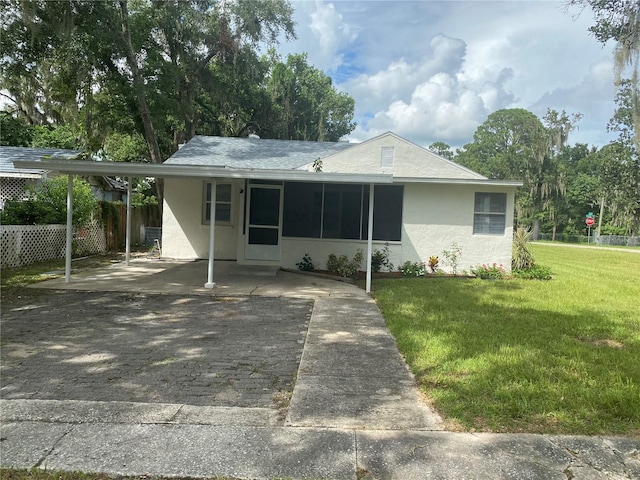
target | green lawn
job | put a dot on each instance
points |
(559, 356)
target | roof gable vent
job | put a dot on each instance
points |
(386, 156)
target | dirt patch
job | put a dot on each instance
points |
(602, 342)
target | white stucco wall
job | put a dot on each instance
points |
(184, 235)
(293, 249)
(410, 160)
(435, 216)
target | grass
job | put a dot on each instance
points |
(560, 356)
(38, 272)
(13, 280)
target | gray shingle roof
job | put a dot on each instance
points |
(253, 153)
(9, 154)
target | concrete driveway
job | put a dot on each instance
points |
(151, 275)
(150, 333)
(140, 371)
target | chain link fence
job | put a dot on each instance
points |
(595, 239)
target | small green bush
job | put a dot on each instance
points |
(537, 272)
(47, 204)
(489, 271)
(380, 259)
(412, 269)
(306, 264)
(452, 257)
(345, 267)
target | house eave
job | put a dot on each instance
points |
(197, 171)
(459, 181)
(27, 175)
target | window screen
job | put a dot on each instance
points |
(489, 213)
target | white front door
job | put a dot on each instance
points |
(264, 222)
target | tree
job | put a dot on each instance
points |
(47, 204)
(620, 21)
(620, 163)
(304, 103)
(555, 176)
(620, 175)
(513, 144)
(442, 149)
(70, 62)
(14, 131)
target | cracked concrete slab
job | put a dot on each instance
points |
(192, 450)
(600, 457)
(80, 411)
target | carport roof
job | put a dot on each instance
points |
(172, 170)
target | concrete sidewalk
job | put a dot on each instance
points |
(355, 413)
(156, 440)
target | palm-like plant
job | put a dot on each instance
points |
(522, 256)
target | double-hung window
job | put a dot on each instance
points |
(222, 203)
(489, 213)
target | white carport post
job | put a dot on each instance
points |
(128, 234)
(67, 261)
(212, 235)
(369, 239)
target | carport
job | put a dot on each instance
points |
(211, 173)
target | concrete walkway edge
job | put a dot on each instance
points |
(320, 453)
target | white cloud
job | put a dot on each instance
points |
(323, 33)
(434, 71)
(593, 96)
(439, 109)
(435, 99)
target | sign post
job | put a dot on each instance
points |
(589, 220)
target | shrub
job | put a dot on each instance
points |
(493, 271)
(522, 256)
(412, 269)
(537, 272)
(433, 263)
(47, 204)
(452, 257)
(343, 266)
(306, 264)
(380, 259)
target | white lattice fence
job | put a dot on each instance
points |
(26, 244)
(11, 188)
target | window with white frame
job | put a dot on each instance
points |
(489, 213)
(222, 203)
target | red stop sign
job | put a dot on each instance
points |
(589, 221)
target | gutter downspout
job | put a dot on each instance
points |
(369, 239)
(67, 261)
(212, 231)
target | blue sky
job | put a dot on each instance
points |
(434, 70)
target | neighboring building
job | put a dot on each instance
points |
(423, 204)
(14, 181)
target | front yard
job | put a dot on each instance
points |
(559, 356)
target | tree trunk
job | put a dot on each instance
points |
(138, 83)
(555, 229)
(536, 228)
(601, 215)
(149, 131)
